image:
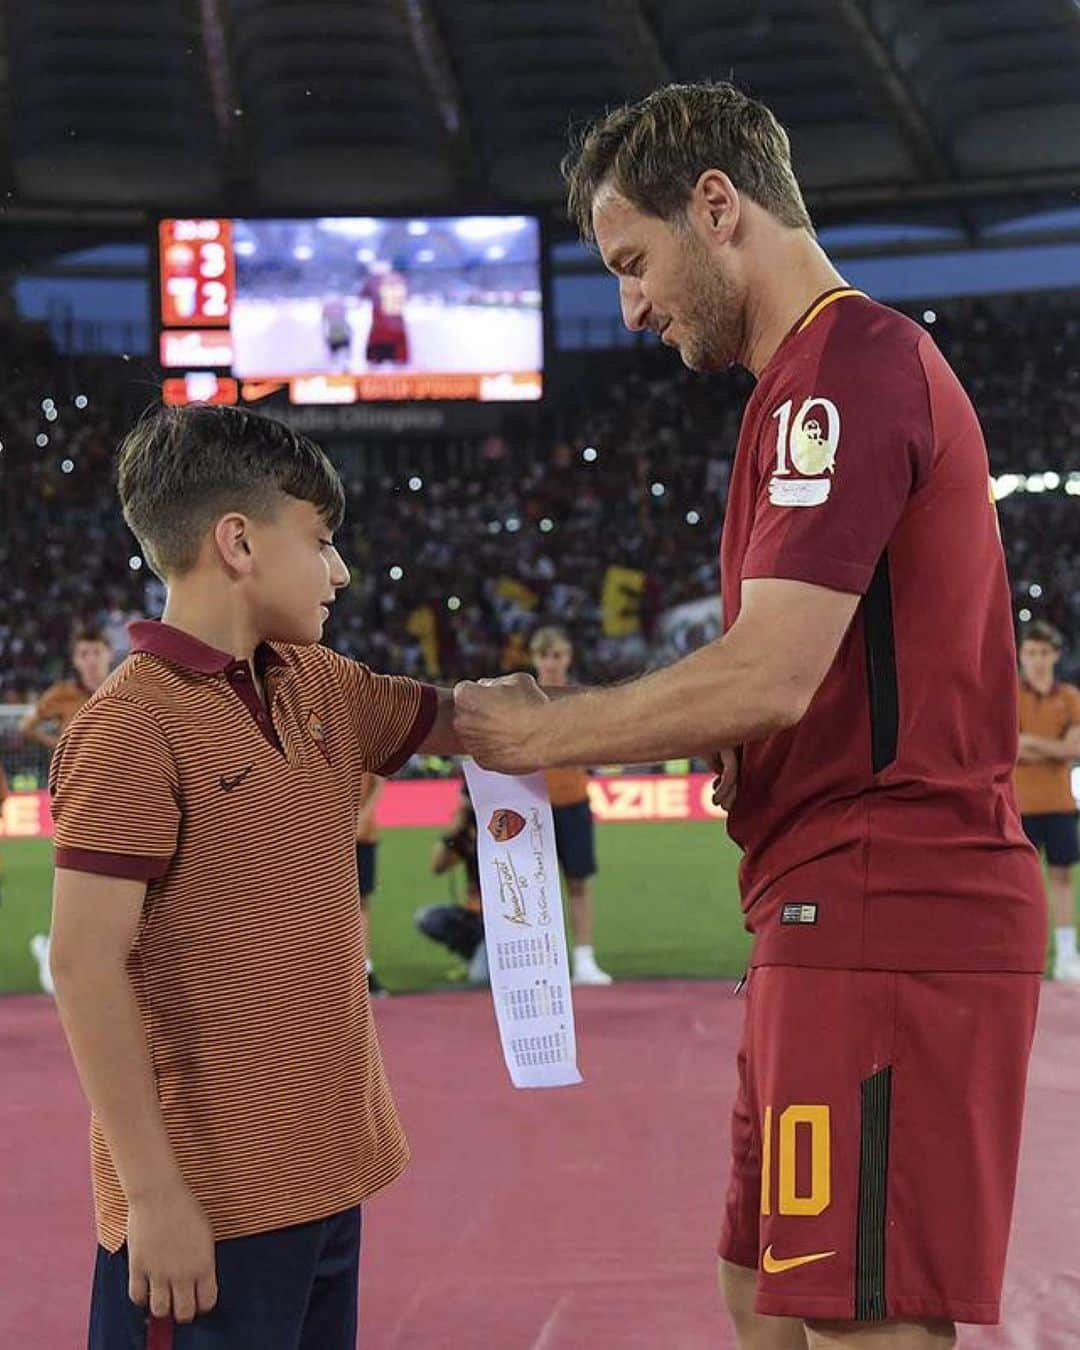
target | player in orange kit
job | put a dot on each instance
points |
(367, 847)
(1049, 746)
(575, 838)
(91, 655)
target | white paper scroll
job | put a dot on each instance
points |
(523, 927)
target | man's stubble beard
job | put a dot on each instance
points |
(714, 318)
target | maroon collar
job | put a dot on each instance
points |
(818, 303)
(173, 644)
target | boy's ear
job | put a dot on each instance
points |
(231, 541)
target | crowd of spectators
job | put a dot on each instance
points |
(453, 566)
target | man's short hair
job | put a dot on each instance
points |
(653, 153)
(181, 468)
(545, 638)
(1041, 631)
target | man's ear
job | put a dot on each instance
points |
(717, 202)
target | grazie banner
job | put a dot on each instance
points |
(432, 801)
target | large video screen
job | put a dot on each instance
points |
(348, 308)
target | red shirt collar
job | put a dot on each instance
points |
(819, 302)
(173, 644)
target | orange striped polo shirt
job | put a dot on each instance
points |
(249, 965)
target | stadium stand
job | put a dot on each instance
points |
(518, 533)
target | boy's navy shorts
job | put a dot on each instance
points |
(1054, 833)
(365, 867)
(292, 1289)
(575, 839)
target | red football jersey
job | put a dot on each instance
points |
(882, 830)
(388, 294)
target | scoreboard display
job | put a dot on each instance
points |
(351, 309)
(198, 273)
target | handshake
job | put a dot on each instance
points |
(501, 722)
(507, 725)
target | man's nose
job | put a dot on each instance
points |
(635, 308)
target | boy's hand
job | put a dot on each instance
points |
(171, 1255)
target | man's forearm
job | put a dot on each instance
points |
(101, 1019)
(1048, 748)
(695, 707)
(758, 679)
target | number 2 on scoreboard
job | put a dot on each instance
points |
(790, 1198)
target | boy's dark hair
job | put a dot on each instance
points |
(88, 632)
(1041, 631)
(181, 468)
(653, 152)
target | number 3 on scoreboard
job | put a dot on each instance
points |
(792, 1200)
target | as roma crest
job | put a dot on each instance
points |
(317, 731)
(505, 825)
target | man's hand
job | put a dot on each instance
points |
(726, 783)
(498, 721)
(171, 1255)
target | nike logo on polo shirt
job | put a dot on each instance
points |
(772, 1265)
(227, 784)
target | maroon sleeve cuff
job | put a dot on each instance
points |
(129, 866)
(425, 720)
(850, 577)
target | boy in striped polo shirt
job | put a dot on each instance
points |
(208, 949)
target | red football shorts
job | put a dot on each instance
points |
(875, 1141)
(388, 342)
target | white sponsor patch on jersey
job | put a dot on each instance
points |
(798, 491)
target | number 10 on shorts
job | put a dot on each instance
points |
(795, 1193)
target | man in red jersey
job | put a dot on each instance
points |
(866, 683)
(388, 291)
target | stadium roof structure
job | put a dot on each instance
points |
(962, 113)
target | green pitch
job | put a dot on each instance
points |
(666, 905)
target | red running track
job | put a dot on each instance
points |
(597, 1229)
